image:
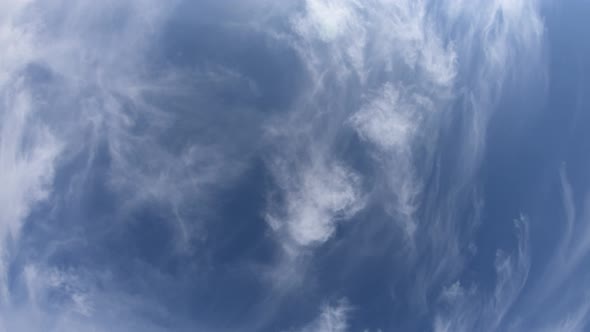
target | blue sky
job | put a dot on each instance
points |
(313, 165)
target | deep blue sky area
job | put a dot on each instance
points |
(294, 166)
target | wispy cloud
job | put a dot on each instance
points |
(393, 74)
(381, 82)
(552, 300)
(391, 122)
(474, 308)
(575, 321)
(316, 199)
(556, 290)
(27, 156)
(98, 96)
(332, 318)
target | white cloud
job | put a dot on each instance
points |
(332, 318)
(387, 70)
(100, 92)
(332, 39)
(577, 321)
(474, 309)
(317, 197)
(396, 73)
(28, 151)
(41, 282)
(389, 121)
(327, 19)
(555, 294)
(73, 300)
